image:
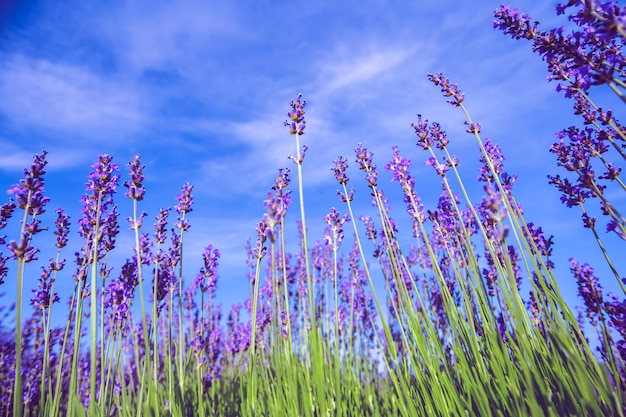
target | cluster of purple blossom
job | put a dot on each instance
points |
(463, 265)
(589, 55)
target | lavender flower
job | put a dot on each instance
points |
(29, 192)
(207, 278)
(29, 196)
(334, 230)
(283, 321)
(136, 190)
(339, 168)
(543, 245)
(44, 298)
(295, 121)
(616, 312)
(589, 289)
(184, 206)
(161, 223)
(514, 23)
(277, 203)
(117, 300)
(472, 127)
(99, 221)
(448, 90)
(261, 231)
(3, 268)
(399, 167)
(439, 168)
(62, 224)
(425, 140)
(370, 228)
(364, 159)
(6, 211)
(590, 55)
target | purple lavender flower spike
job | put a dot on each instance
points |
(62, 230)
(364, 159)
(514, 23)
(102, 180)
(295, 121)
(6, 211)
(399, 166)
(3, 268)
(616, 311)
(98, 210)
(136, 190)
(283, 320)
(589, 289)
(439, 168)
(370, 228)
(260, 249)
(334, 231)
(160, 235)
(448, 90)
(278, 202)
(29, 196)
(29, 192)
(424, 140)
(207, 278)
(472, 127)
(43, 297)
(339, 168)
(184, 206)
(185, 200)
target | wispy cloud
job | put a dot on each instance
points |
(67, 100)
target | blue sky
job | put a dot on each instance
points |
(201, 89)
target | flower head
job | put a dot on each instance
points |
(135, 186)
(207, 278)
(29, 192)
(448, 90)
(334, 231)
(184, 206)
(62, 228)
(295, 121)
(43, 297)
(185, 199)
(339, 168)
(588, 288)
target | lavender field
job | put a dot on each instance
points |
(445, 309)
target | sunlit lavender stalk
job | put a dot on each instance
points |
(184, 206)
(136, 191)
(29, 197)
(296, 124)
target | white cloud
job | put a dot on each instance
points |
(165, 34)
(67, 99)
(341, 69)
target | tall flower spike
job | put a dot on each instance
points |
(421, 130)
(207, 278)
(295, 121)
(6, 211)
(589, 289)
(185, 201)
(29, 192)
(448, 90)
(135, 186)
(62, 228)
(340, 167)
(334, 230)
